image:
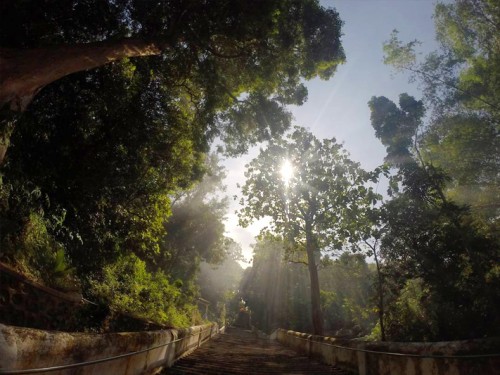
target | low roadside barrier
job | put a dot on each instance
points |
(468, 357)
(31, 351)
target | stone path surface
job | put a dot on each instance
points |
(241, 352)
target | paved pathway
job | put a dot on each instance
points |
(240, 352)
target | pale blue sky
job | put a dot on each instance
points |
(338, 107)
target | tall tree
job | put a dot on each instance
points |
(444, 160)
(398, 129)
(372, 229)
(236, 64)
(275, 289)
(427, 235)
(315, 207)
(195, 231)
(460, 81)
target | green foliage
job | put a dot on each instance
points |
(128, 287)
(461, 88)
(276, 291)
(443, 218)
(111, 146)
(28, 244)
(119, 148)
(195, 231)
(409, 317)
(468, 31)
(219, 284)
(465, 147)
(399, 55)
(43, 254)
(396, 127)
(425, 236)
(347, 294)
(324, 184)
(428, 241)
(112, 180)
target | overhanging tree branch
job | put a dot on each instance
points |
(25, 72)
(455, 87)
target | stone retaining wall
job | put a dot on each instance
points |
(25, 303)
(26, 348)
(28, 304)
(325, 349)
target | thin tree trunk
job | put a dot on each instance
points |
(317, 315)
(380, 295)
(6, 129)
(23, 73)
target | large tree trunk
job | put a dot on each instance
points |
(317, 314)
(23, 73)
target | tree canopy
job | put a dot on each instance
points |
(110, 108)
(460, 86)
(106, 149)
(443, 215)
(230, 67)
(425, 235)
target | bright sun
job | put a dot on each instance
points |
(286, 171)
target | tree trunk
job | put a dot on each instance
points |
(23, 73)
(317, 314)
(6, 128)
(380, 295)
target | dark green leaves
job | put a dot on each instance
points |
(396, 127)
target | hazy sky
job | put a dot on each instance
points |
(338, 107)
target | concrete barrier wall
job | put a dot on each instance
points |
(26, 348)
(351, 355)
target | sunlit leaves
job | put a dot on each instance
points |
(127, 286)
(467, 149)
(325, 193)
(461, 86)
(195, 231)
(399, 55)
